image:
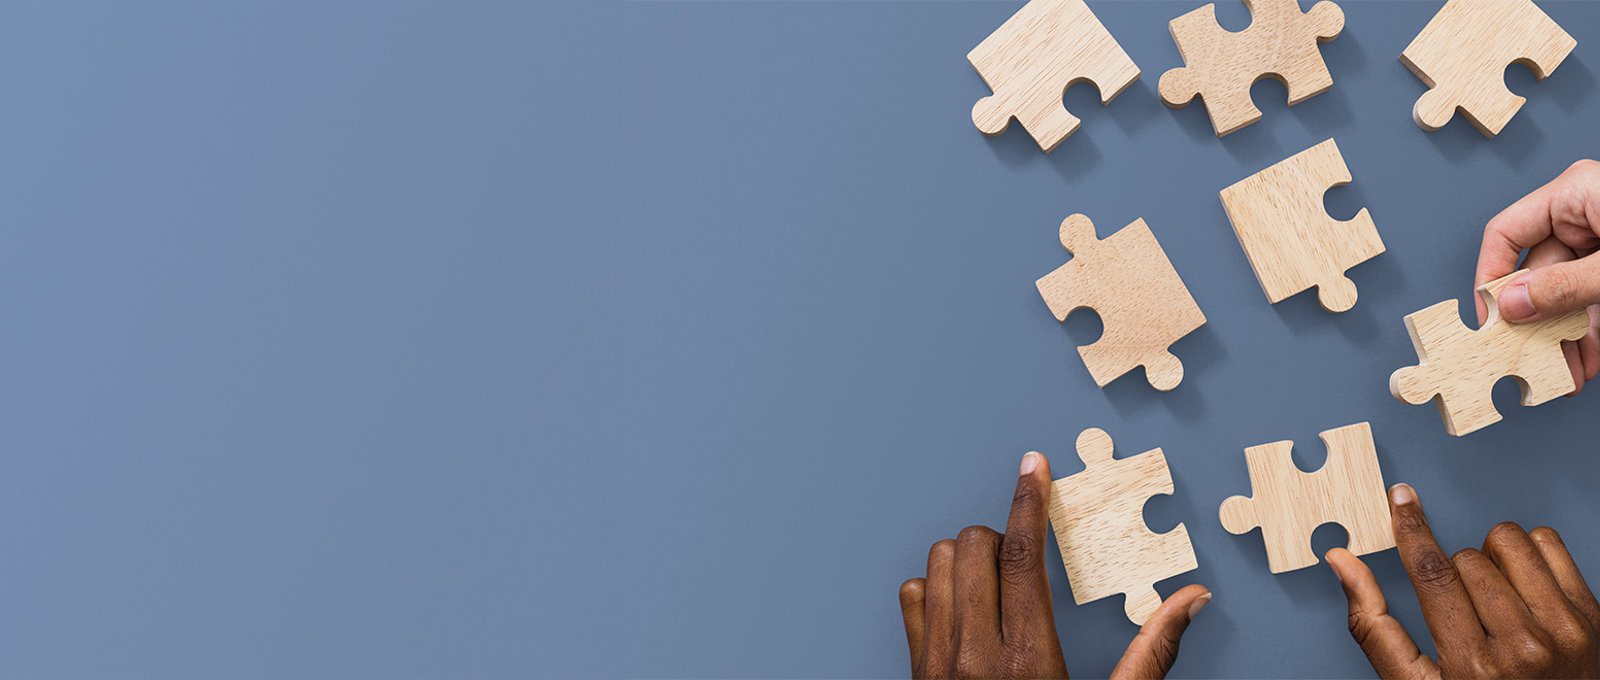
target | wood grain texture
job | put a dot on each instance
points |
(1098, 518)
(1143, 305)
(1289, 505)
(1220, 65)
(1031, 60)
(1462, 55)
(1458, 366)
(1286, 233)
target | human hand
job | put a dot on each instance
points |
(1516, 609)
(1559, 226)
(984, 609)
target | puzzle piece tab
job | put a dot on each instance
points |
(1292, 243)
(1220, 65)
(1463, 52)
(1144, 307)
(1098, 518)
(1289, 504)
(1459, 366)
(1031, 60)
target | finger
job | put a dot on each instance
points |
(1515, 555)
(1155, 648)
(1523, 225)
(1025, 610)
(977, 587)
(1551, 290)
(1571, 351)
(911, 596)
(1445, 604)
(1566, 572)
(1561, 208)
(1500, 610)
(1385, 642)
(1589, 347)
(938, 645)
(1548, 252)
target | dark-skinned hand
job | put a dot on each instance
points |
(1518, 608)
(984, 610)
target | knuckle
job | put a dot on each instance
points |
(1506, 529)
(1545, 534)
(1483, 664)
(970, 664)
(1410, 521)
(1585, 166)
(1360, 627)
(1504, 533)
(1529, 653)
(1569, 632)
(1027, 496)
(1023, 663)
(1165, 649)
(1433, 570)
(975, 534)
(1017, 556)
(942, 550)
(911, 590)
(1561, 286)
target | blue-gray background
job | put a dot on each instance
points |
(491, 339)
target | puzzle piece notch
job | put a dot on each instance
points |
(1220, 65)
(1031, 60)
(1143, 305)
(1281, 222)
(1458, 366)
(1098, 519)
(1462, 54)
(1288, 505)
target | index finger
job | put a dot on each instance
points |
(1024, 584)
(1519, 227)
(1446, 606)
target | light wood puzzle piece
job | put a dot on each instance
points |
(1289, 505)
(1031, 60)
(1220, 65)
(1458, 366)
(1098, 518)
(1462, 55)
(1292, 244)
(1144, 307)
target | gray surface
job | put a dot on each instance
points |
(823, 350)
(417, 339)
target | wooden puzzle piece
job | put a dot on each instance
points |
(1098, 518)
(1462, 55)
(1220, 65)
(1292, 243)
(1144, 307)
(1031, 60)
(1458, 366)
(1289, 504)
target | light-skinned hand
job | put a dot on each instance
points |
(1559, 227)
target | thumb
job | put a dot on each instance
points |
(1155, 648)
(1385, 642)
(1552, 290)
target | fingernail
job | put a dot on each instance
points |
(1515, 304)
(1402, 494)
(1328, 557)
(1199, 604)
(1030, 463)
